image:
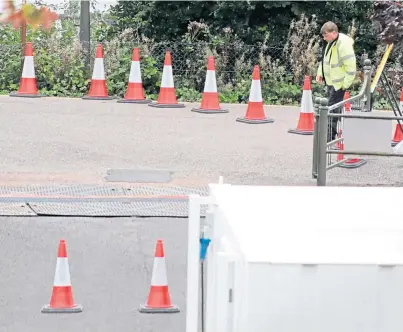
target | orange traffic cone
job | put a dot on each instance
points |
(135, 90)
(98, 88)
(255, 112)
(398, 136)
(159, 300)
(62, 296)
(349, 163)
(306, 116)
(340, 156)
(167, 94)
(28, 87)
(347, 106)
(210, 101)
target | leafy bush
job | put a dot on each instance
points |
(63, 68)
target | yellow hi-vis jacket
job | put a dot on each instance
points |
(338, 66)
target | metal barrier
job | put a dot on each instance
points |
(322, 111)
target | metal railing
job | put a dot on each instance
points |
(322, 113)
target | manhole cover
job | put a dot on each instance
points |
(140, 176)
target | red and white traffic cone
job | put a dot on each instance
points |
(135, 91)
(398, 136)
(62, 295)
(167, 94)
(255, 112)
(159, 300)
(28, 86)
(210, 103)
(98, 88)
(306, 115)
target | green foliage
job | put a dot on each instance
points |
(282, 37)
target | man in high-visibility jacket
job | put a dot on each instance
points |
(337, 69)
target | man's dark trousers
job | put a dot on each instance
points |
(334, 98)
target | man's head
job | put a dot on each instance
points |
(329, 31)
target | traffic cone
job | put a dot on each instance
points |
(62, 295)
(210, 103)
(255, 112)
(340, 156)
(28, 87)
(98, 88)
(135, 91)
(398, 136)
(349, 163)
(339, 144)
(347, 106)
(167, 94)
(306, 116)
(159, 300)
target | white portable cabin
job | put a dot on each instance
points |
(298, 259)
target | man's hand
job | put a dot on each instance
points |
(319, 79)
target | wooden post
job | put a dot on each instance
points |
(23, 36)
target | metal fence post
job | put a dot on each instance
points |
(315, 138)
(367, 93)
(322, 142)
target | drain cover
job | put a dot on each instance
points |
(130, 175)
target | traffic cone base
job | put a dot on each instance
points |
(134, 101)
(148, 310)
(97, 98)
(353, 163)
(26, 95)
(209, 111)
(300, 132)
(74, 309)
(254, 121)
(158, 105)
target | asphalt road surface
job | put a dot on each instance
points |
(56, 140)
(110, 264)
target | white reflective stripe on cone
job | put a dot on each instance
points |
(167, 77)
(255, 92)
(159, 277)
(99, 72)
(307, 102)
(210, 84)
(62, 274)
(135, 72)
(29, 69)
